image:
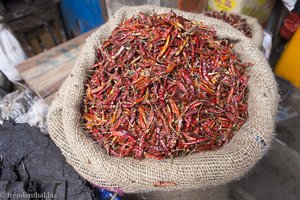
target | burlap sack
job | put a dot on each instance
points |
(257, 30)
(201, 170)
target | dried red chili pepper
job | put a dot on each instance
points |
(163, 86)
(234, 20)
(164, 183)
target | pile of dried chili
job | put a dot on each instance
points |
(163, 86)
(234, 20)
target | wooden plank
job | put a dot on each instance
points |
(45, 72)
(49, 99)
(47, 40)
(58, 31)
(17, 9)
(35, 45)
(32, 21)
(25, 45)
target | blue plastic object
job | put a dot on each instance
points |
(106, 195)
(81, 16)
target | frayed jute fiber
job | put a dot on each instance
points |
(200, 170)
(257, 30)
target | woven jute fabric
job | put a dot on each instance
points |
(257, 30)
(200, 170)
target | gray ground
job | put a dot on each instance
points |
(289, 131)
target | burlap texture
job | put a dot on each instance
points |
(201, 170)
(257, 30)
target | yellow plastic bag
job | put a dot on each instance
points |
(288, 65)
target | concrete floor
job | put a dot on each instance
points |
(276, 176)
(289, 131)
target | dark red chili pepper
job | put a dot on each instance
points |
(234, 20)
(163, 86)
